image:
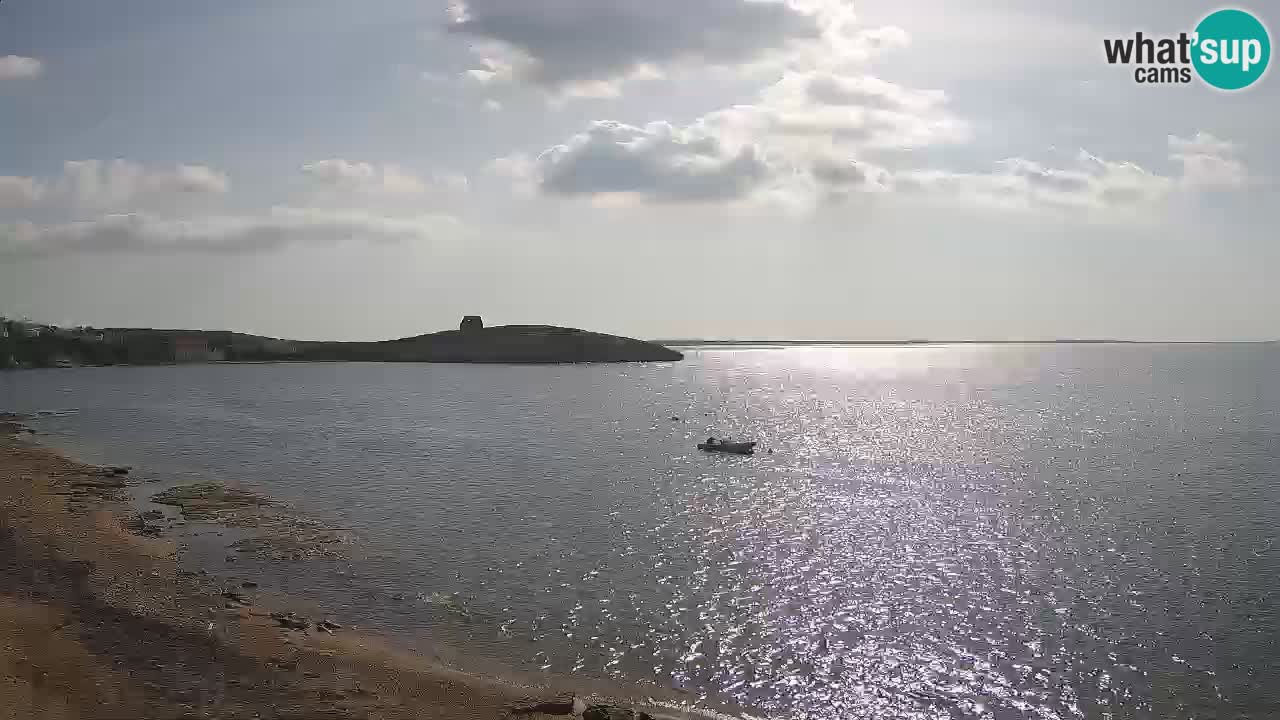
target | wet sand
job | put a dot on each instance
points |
(97, 621)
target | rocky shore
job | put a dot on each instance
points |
(97, 620)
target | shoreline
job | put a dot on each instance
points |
(102, 621)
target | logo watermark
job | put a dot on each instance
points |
(1229, 50)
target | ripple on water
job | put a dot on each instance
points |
(967, 532)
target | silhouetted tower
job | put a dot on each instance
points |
(470, 323)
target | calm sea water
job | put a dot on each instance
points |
(939, 532)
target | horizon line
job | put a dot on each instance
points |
(1055, 341)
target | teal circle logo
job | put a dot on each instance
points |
(1232, 49)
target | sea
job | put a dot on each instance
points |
(1045, 531)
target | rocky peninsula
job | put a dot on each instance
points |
(474, 343)
(25, 344)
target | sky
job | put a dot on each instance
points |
(750, 169)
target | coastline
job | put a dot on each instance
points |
(100, 621)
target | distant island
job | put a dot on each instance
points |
(26, 344)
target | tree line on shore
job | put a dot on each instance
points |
(24, 344)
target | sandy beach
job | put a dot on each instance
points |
(99, 621)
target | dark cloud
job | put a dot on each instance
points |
(566, 41)
(138, 232)
(659, 162)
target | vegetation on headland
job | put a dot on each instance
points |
(26, 344)
(502, 344)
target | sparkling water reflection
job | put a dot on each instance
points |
(938, 532)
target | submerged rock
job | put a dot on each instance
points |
(614, 712)
(558, 705)
(291, 620)
(98, 483)
(290, 547)
(208, 501)
(141, 525)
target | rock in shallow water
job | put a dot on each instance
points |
(559, 705)
(291, 620)
(614, 712)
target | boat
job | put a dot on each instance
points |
(727, 446)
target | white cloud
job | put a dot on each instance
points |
(369, 179)
(19, 192)
(743, 154)
(855, 111)
(16, 67)
(1201, 144)
(341, 172)
(114, 185)
(192, 179)
(1207, 162)
(829, 88)
(1088, 183)
(139, 232)
(800, 137)
(121, 184)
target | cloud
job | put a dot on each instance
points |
(1088, 183)
(731, 156)
(856, 111)
(19, 192)
(372, 179)
(282, 226)
(829, 88)
(658, 162)
(840, 177)
(114, 185)
(342, 172)
(589, 46)
(1207, 162)
(800, 137)
(121, 184)
(16, 67)
(1201, 144)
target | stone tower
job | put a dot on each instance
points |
(471, 322)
